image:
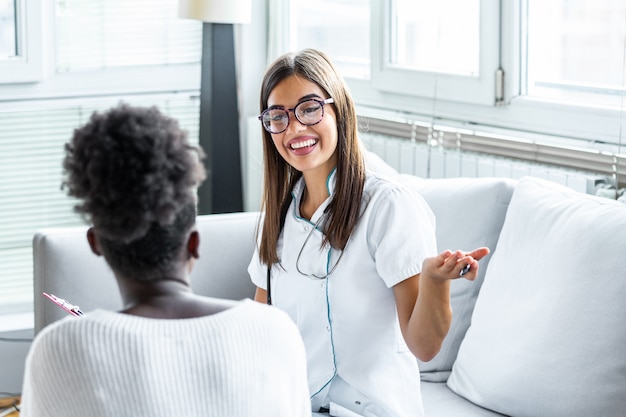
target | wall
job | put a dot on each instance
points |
(252, 64)
(14, 345)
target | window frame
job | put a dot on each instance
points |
(98, 82)
(476, 90)
(29, 65)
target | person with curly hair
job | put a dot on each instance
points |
(168, 351)
(349, 254)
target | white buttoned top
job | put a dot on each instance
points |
(357, 357)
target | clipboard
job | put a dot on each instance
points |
(72, 309)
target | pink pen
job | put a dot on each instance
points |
(70, 308)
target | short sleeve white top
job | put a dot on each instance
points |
(357, 357)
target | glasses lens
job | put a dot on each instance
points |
(275, 120)
(309, 112)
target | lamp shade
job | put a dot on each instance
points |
(216, 11)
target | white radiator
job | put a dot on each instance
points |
(437, 162)
(418, 159)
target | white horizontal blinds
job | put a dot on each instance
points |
(31, 153)
(99, 34)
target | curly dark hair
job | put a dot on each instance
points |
(137, 175)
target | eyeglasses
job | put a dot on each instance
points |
(308, 112)
(312, 275)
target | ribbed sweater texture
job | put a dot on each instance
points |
(248, 360)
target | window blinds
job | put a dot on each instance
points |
(99, 34)
(31, 153)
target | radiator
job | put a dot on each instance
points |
(437, 162)
(417, 158)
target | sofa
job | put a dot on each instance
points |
(540, 332)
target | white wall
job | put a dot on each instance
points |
(252, 64)
(13, 354)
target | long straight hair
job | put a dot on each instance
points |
(280, 177)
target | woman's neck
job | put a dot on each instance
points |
(139, 295)
(167, 298)
(315, 193)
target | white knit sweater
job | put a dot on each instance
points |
(248, 360)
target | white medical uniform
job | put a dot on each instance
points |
(357, 357)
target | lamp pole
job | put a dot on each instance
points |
(222, 191)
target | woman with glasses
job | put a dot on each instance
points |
(349, 255)
(168, 352)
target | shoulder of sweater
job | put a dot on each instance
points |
(245, 312)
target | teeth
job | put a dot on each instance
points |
(303, 144)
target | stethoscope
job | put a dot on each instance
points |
(311, 275)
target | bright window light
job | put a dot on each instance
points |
(576, 51)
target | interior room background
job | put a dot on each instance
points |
(456, 88)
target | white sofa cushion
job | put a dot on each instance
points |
(440, 401)
(469, 213)
(547, 336)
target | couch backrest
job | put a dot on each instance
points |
(470, 213)
(65, 266)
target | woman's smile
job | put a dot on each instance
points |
(307, 148)
(302, 145)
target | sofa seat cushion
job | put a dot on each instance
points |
(548, 334)
(440, 401)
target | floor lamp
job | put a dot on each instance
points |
(222, 192)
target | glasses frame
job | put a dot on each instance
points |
(322, 103)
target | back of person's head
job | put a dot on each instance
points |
(136, 176)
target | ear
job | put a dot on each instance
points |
(193, 243)
(93, 241)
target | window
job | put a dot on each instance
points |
(21, 41)
(576, 51)
(415, 47)
(8, 30)
(158, 64)
(126, 33)
(339, 27)
(442, 37)
(437, 50)
(545, 71)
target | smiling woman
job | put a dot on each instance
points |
(344, 251)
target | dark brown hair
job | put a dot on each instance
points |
(280, 177)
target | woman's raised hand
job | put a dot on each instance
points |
(452, 265)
